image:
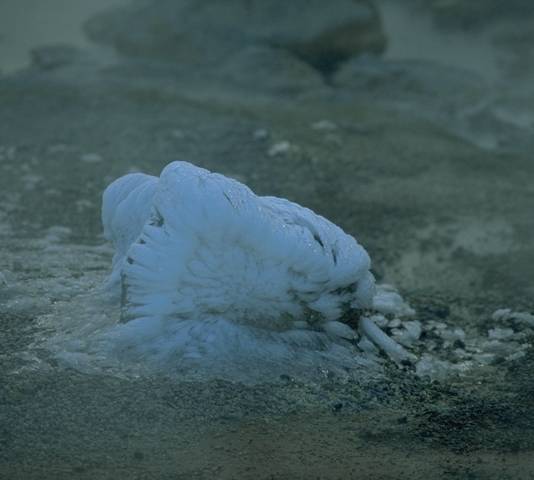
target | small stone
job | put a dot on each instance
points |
(395, 323)
(301, 325)
(324, 125)
(91, 158)
(501, 314)
(380, 320)
(409, 334)
(500, 333)
(461, 354)
(453, 335)
(524, 317)
(433, 368)
(414, 329)
(280, 148)
(433, 325)
(260, 134)
(388, 301)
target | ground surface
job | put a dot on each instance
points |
(429, 167)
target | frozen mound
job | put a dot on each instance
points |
(193, 245)
(208, 273)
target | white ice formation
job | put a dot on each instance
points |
(209, 270)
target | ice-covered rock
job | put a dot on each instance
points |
(388, 301)
(193, 244)
(506, 314)
(202, 259)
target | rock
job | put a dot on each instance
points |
(501, 314)
(380, 320)
(260, 134)
(271, 69)
(506, 314)
(395, 323)
(91, 158)
(388, 301)
(453, 335)
(500, 333)
(409, 334)
(324, 125)
(323, 34)
(433, 368)
(280, 148)
(524, 317)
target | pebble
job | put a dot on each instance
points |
(380, 320)
(387, 300)
(280, 148)
(91, 158)
(451, 335)
(409, 334)
(395, 323)
(414, 329)
(433, 368)
(501, 314)
(324, 125)
(524, 317)
(260, 134)
(500, 333)
(433, 325)
(504, 314)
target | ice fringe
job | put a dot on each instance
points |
(207, 269)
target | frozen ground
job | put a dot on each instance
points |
(428, 165)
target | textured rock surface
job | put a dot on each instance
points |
(199, 31)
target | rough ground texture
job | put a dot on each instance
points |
(429, 167)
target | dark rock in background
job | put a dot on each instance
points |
(207, 32)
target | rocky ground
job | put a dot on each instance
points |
(429, 166)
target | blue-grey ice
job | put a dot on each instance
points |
(207, 269)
